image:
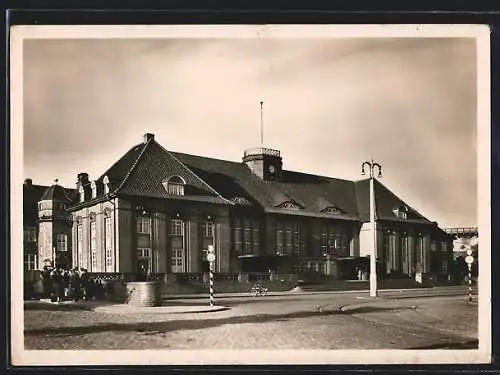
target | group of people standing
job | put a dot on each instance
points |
(75, 284)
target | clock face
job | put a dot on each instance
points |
(271, 168)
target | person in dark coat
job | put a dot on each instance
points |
(73, 285)
(46, 282)
(65, 278)
(57, 286)
(84, 284)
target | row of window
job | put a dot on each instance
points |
(108, 247)
(145, 260)
(398, 254)
(290, 239)
(176, 226)
(335, 242)
(246, 236)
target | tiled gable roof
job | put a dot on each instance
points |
(144, 168)
(119, 170)
(233, 179)
(385, 202)
(141, 171)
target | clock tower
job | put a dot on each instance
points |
(264, 162)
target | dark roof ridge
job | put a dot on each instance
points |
(194, 174)
(317, 175)
(133, 165)
(205, 157)
(240, 163)
(116, 162)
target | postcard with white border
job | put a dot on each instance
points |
(272, 194)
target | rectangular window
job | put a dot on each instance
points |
(324, 242)
(29, 234)
(175, 189)
(79, 245)
(108, 244)
(177, 260)
(444, 266)
(208, 229)
(296, 238)
(143, 224)
(420, 250)
(390, 251)
(279, 239)
(288, 237)
(176, 227)
(345, 250)
(61, 242)
(144, 260)
(248, 237)
(444, 246)
(238, 247)
(30, 262)
(255, 237)
(433, 246)
(93, 248)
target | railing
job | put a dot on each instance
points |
(261, 151)
(201, 277)
(464, 230)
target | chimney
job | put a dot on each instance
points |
(28, 182)
(83, 178)
(148, 137)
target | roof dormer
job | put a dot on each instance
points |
(290, 205)
(332, 210)
(174, 185)
(401, 212)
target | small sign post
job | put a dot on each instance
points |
(469, 259)
(211, 260)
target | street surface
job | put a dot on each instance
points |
(409, 319)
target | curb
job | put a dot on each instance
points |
(166, 310)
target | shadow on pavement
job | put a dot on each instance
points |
(174, 325)
(472, 344)
(42, 306)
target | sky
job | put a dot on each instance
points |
(329, 105)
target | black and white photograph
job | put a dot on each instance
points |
(266, 194)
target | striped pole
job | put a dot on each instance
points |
(211, 285)
(470, 281)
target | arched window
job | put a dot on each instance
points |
(105, 181)
(81, 190)
(93, 186)
(174, 185)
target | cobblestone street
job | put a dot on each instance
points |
(294, 322)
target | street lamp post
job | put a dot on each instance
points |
(373, 256)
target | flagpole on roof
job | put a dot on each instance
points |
(261, 124)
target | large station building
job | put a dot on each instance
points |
(158, 211)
